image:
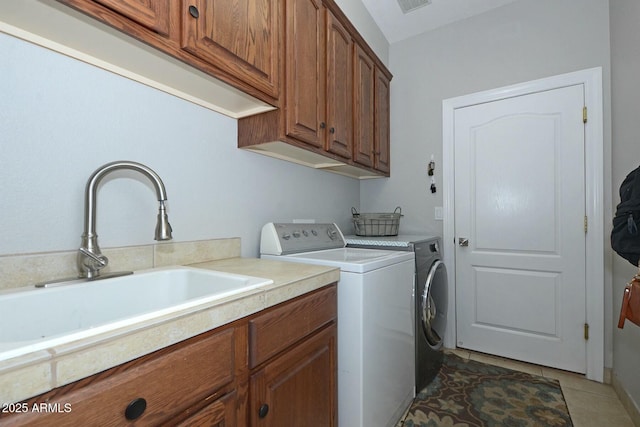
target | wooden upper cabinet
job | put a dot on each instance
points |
(339, 89)
(151, 14)
(364, 114)
(328, 110)
(239, 37)
(318, 78)
(304, 57)
(382, 130)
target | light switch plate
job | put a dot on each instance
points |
(438, 213)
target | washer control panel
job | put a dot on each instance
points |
(279, 238)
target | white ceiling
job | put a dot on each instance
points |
(397, 26)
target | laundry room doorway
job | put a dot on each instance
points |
(521, 218)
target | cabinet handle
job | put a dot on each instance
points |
(135, 408)
(263, 411)
(323, 125)
(332, 130)
(193, 11)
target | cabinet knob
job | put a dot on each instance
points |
(193, 11)
(135, 408)
(263, 411)
(332, 130)
(323, 125)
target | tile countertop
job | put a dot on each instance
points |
(25, 376)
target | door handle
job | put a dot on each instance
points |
(463, 241)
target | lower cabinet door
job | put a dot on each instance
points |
(298, 388)
(220, 413)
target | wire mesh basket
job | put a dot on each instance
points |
(376, 224)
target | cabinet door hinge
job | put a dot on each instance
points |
(586, 224)
(584, 114)
(586, 331)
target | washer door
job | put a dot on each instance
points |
(433, 305)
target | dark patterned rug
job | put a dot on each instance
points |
(467, 393)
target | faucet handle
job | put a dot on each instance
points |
(99, 259)
(92, 262)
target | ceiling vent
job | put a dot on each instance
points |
(411, 5)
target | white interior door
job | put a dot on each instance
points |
(520, 203)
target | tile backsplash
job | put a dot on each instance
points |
(28, 269)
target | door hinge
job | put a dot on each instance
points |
(586, 331)
(584, 114)
(586, 224)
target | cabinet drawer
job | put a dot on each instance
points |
(168, 384)
(221, 413)
(283, 325)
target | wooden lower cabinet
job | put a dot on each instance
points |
(298, 388)
(220, 413)
(152, 390)
(207, 380)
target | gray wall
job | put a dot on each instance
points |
(519, 42)
(625, 93)
(366, 26)
(522, 41)
(60, 119)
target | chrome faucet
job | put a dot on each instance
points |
(90, 259)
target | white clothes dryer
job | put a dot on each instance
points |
(431, 297)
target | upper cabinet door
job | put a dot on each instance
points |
(304, 116)
(151, 14)
(382, 134)
(339, 89)
(239, 37)
(364, 117)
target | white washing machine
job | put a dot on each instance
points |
(376, 341)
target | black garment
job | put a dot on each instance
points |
(625, 236)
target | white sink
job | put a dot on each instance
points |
(38, 318)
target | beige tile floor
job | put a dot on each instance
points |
(591, 404)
